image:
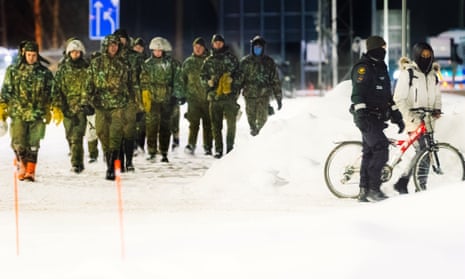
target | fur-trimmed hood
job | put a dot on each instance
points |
(406, 63)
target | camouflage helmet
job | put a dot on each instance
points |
(109, 40)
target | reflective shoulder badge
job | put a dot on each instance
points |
(361, 73)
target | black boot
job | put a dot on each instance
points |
(375, 195)
(110, 158)
(129, 151)
(362, 195)
(123, 153)
(401, 185)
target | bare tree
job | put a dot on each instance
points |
(38, 23)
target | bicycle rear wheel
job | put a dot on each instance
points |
(342, 169)
(433, 169)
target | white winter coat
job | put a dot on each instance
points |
(424, 92)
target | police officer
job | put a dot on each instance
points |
(109, 85)
(259, 80)
(218, 73)
(372, 106)
(26, 97)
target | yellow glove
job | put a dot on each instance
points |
(146, 100)
(3, 111)
(224, 84)
(219, 89)
(227, 80)
(57, 115)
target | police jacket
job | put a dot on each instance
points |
(371, 88)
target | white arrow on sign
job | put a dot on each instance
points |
(107, 16)
(98, 5)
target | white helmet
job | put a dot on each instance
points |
(159, 43)
(3, 128)
(75, 45)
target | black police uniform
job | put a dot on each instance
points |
(372, 106)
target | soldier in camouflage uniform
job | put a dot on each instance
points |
(135, 61)
(196, 96)
(69, 97)
(26, 95)
(139, 47)
(217, 75)
(159, 79)
(259, 81)
(108, 85)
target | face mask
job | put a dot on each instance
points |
(257, 50)
(377, 53)
(424, 64)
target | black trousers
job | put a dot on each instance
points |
(375, 154)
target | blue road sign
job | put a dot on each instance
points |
(103, 18)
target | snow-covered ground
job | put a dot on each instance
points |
(262, 211)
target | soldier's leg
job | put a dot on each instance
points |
(216, 116)
(193, 115)
(251, 111)
(206, 129)
(165, 130)
(152, 126)
(230, 112)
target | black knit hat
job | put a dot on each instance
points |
(122, 33)
(375, 42)
(199, 41)
(217, 37)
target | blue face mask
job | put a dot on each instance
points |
(257, 50)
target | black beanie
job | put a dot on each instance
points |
(199, 41)
(375, 42)
(217, 37)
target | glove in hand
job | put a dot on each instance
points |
(3, 111)
(146, 100)
(57, 115)
(396, 118)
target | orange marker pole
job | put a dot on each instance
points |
(120, 204)
(15, 183)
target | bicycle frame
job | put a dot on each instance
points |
(405, 144)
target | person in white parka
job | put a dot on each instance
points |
(417, 87)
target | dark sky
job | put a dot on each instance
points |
(427, 18)
(148, 18)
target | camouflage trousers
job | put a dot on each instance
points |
(257, 112)
(197, 111)
(158, 127)
(109, 127)
(25, 138)
(75, 128)
(226, 109)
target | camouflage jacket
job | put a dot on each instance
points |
(258, 77)
(109, 82)
(135, 61)
(192, 89)
(69, 89)
(27, 91)
(160, 76)
(214, 66)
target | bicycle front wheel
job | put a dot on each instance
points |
(342, 169)
(444, 166)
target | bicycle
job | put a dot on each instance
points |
(437, 164)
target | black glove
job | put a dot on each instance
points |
(396, 118)
(361, 120)
(270, 110)
(181, 101)
(87, 109)
(280, 103)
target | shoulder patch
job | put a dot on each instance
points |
(362, 70)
